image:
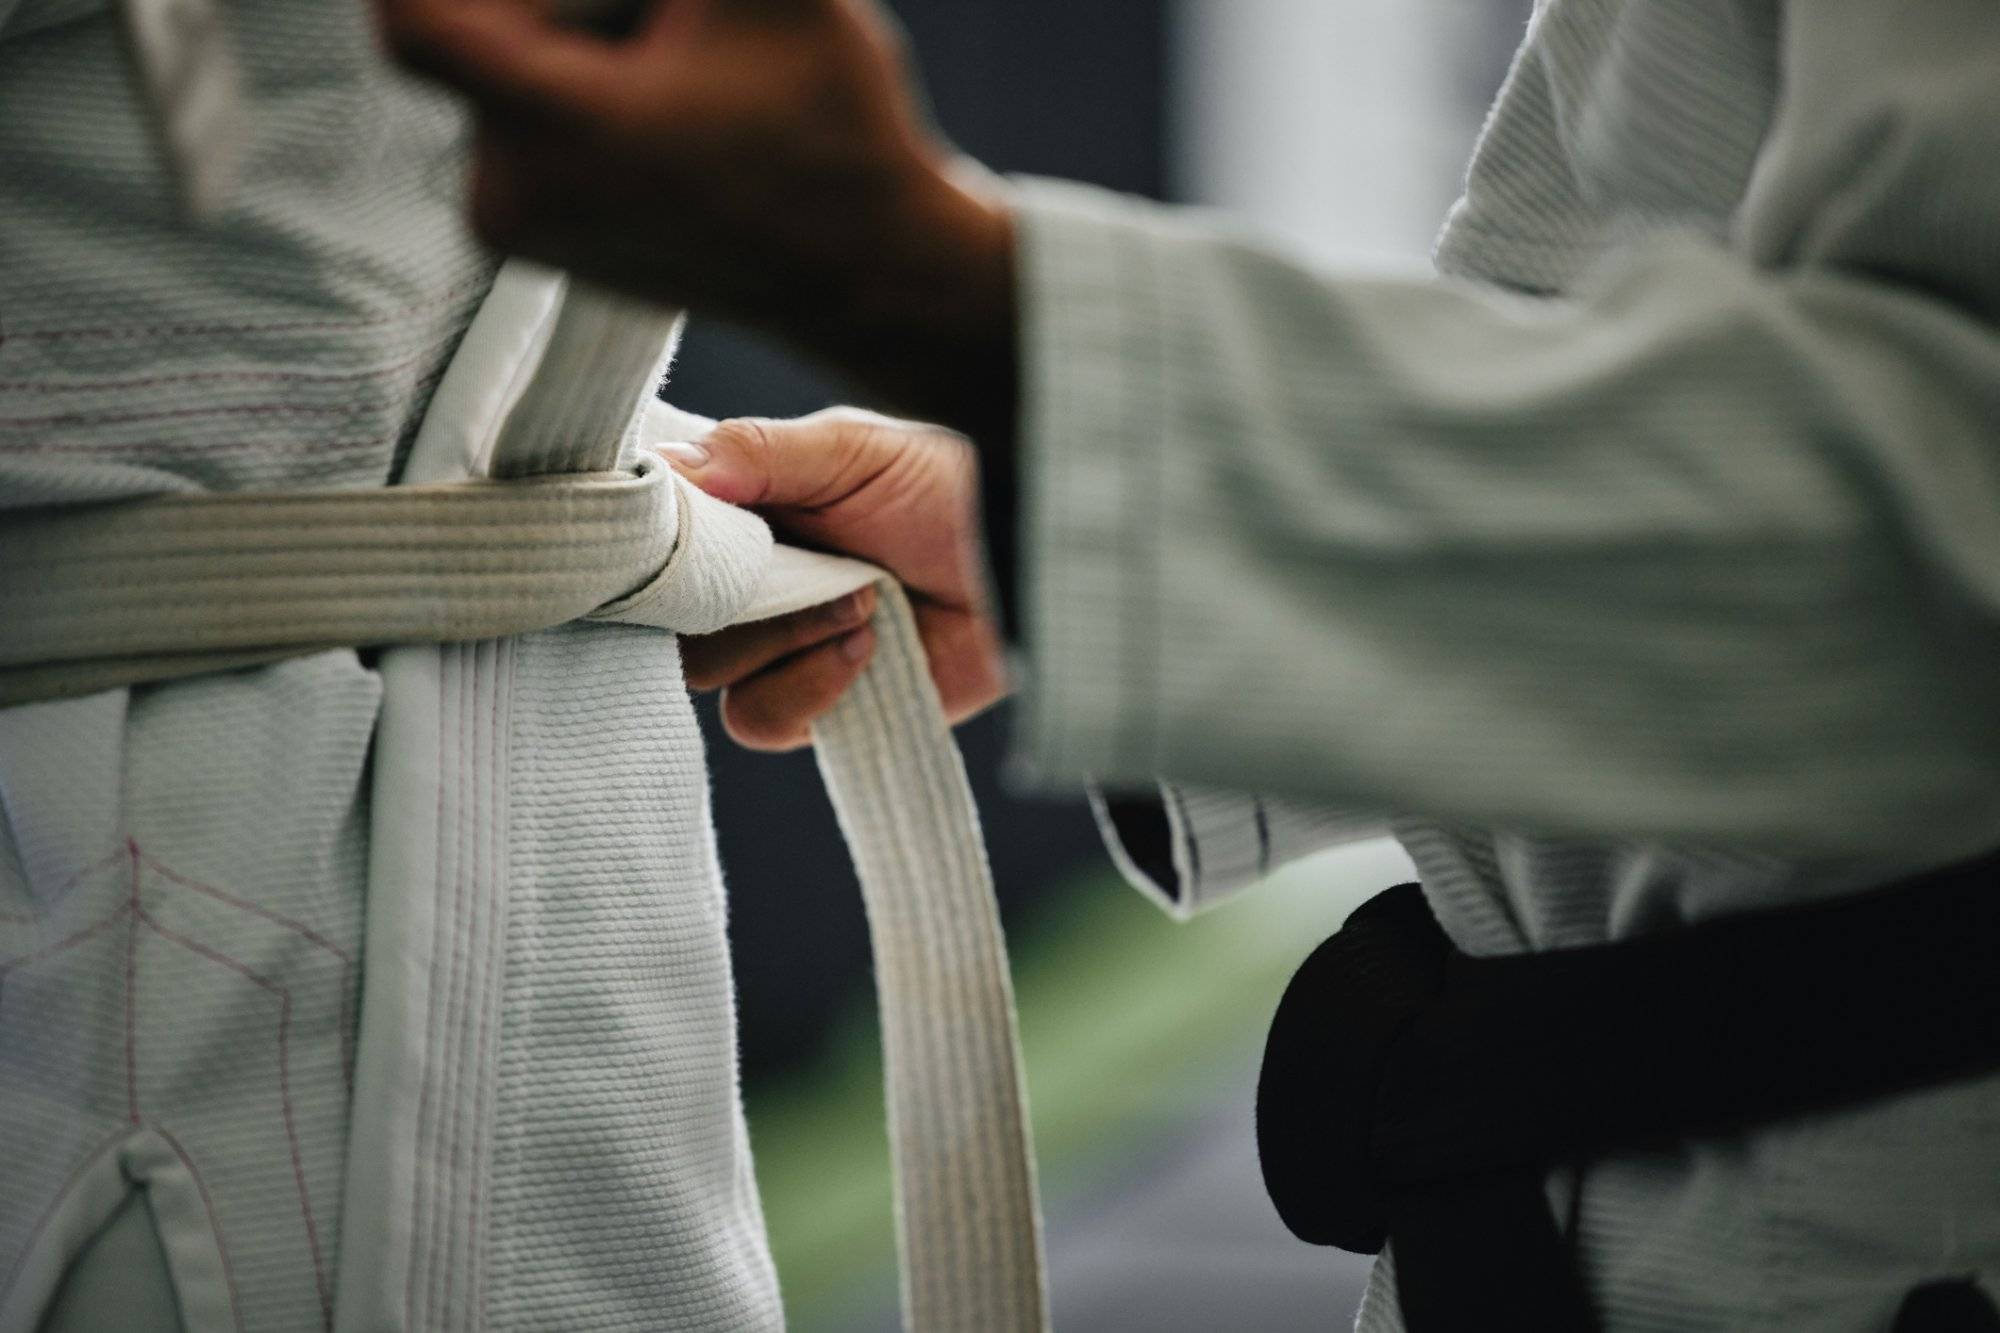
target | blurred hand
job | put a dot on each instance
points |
(899, 495)
(762, 159)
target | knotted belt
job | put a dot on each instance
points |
(548, 532)
(1415, 1094)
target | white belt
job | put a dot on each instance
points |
(147, 590)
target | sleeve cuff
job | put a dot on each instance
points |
(1191, 848)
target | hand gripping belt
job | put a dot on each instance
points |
(515, 517)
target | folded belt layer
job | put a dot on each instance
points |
(123, 593)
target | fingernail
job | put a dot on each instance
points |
(841, 609)
(854, 647)
(684, 453)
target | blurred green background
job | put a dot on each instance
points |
(1133, 1026)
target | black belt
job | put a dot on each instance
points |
(1412, 1092)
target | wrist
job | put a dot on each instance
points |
(927, 317)
(943, 262)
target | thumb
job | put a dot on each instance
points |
(807, 462)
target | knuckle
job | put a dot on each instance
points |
(815, 624)
(757, 721)
(850, 432)
(848, 416)
(744, 435)
(753, 442)
(783, 639)
(775, 709)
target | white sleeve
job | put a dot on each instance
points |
(1707, 549)
(1192, 848)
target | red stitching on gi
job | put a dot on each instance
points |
(214, 1221)
(76, 1175)
(310, 935)
(119, 1137)
(61, 891)
(284, 1089)
(68, 942)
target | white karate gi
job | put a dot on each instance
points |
(1649, 560)
(183, 867)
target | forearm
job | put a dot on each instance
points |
(1634, 564)
(926, 325)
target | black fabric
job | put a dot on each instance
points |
(1331, 1044)
(1325, 1056)
(1148, 839)
(1952, 1306)
(1000, 508)
(1452, 1273)
(1411, 1091)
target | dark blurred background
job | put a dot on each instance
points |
(1341, 127)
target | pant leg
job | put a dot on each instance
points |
(120, 1281)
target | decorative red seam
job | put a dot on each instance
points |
(276, 918)
(132, 909)
(284, 1087)
(69, 1186)
(69, 942)
(61, 891)
(298, 1166)
(214, 1220)
(282, 326)
(346, 1021)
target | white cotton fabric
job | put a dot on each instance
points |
(1649, 558)
(181, 58)
(967, 1218)
(291, 340)
(726, 569)
(456, 807)
(546, 1125)
(209, 1038)
(1222, 842)
(294, 340)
